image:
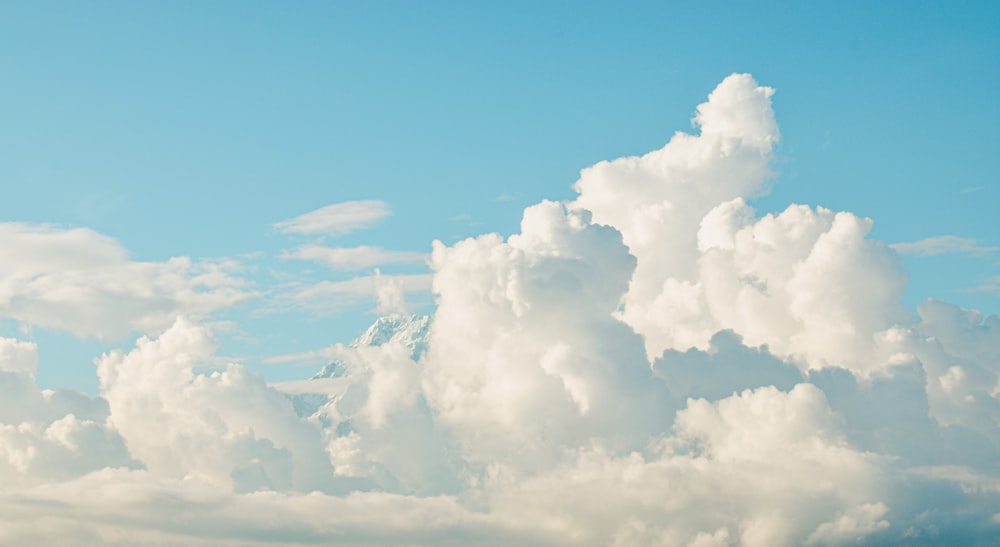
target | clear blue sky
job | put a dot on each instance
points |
(190, 128)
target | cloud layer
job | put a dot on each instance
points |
(84, 282)
(652, 363)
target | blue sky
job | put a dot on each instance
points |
(189, 129)
(636, 235)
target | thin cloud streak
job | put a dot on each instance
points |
(337, 219)
(939, 245)
(354, 259)
(327, 297)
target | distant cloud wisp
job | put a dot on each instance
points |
(938, 245)
(332, 296)
(354, 258)
(337, 219)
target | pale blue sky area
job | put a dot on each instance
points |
(190, 128)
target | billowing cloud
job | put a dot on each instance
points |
(49, 435)
(512, 350)
(938, 245)
(652, 363)
(182, 424)
(806, 282)
(83, 282)
(337, 219)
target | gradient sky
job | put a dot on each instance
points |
(275, 176)
(189, 129)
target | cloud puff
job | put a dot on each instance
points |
(732, 473)
(336, 219)
(806, 282)
(658, 200)
(937, 245)
(227, 428)
(49, 435)
(83, 282)
(512, 345)
(652, 363)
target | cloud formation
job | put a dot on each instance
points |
(938, 245)
(83, 282)
(652, 363)
(354, 259)
(336, 219)
(388, 291)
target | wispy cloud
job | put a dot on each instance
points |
(939, 245)
(354, 259)
(337, 219)
(989, 285)
(83, 282)
(332, 296)
(305, 358)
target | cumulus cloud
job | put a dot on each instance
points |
(652, 363)
(49, 435)
(806, 282)
(658, 200)
(512, 350)
(227, 428)
(732, 473)
(83, 282)
(938, 245)
(336, 219)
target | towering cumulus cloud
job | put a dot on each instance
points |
(652, 363)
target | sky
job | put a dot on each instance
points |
(672, 242)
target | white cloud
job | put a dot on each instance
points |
(735, 469)
(807, 283)
(354, 258)
(390, 295)
(227, 428)
(938, 245)
(852, 526)
(83, 282)
(658, 200)
(19, 357)
(651, 364)
(336, 219)
(331, 296)
(49, 435)
(513, 349)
